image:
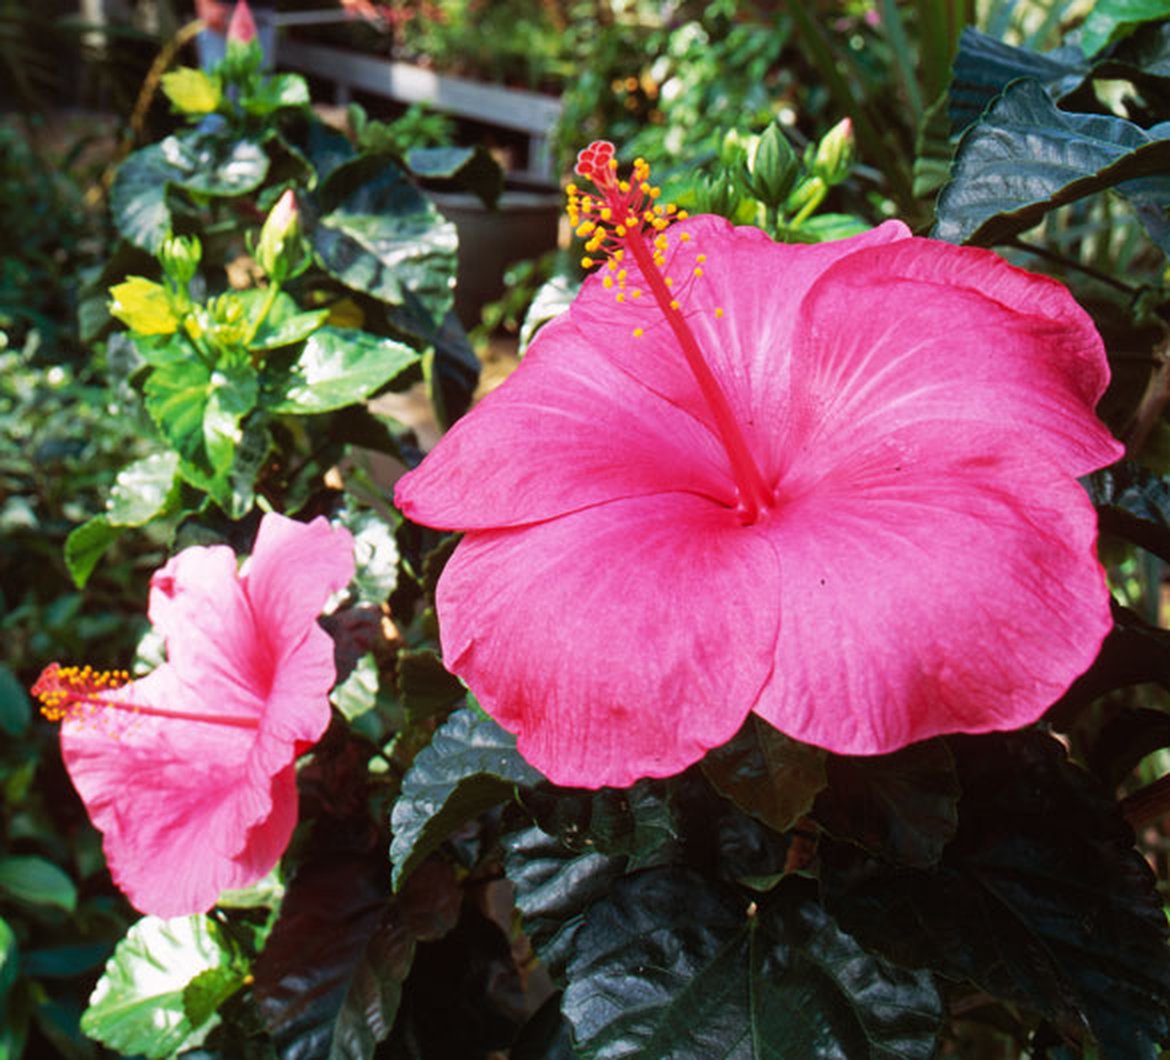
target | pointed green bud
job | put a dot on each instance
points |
(774, 167)
(279, 250)
(834, 157)
(180, 256)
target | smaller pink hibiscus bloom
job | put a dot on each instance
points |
(834, 485)
(189, 772)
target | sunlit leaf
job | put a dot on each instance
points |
(192, 91)
(85, 546)
(142, 490)
(143, 306)
(138, 1005)
(1108, 20)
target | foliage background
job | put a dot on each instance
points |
(966, 897)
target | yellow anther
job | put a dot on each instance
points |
(697, 271)
(700, 258)
(613, 164)
(620, 230)
(618, 255)
(655, 192)
(611, 265)
(607, 214)
(661, 242)
(683, 215)
(571, 189)
(718, 313)
(668, 281)
(607, 281)
(635, 293)
(624, 186)
(620, 296)
(622, 274)
(586, 228)
(671, 208)
(674, 303)
(659, 260)
(638, 333)
(686, 238)
(586, 263)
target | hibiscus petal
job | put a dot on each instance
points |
(932, 585)
(602, 638)
(920, 330)
(566, 431)
(168, 792)
(759, 285)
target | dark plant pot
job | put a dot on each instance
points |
(523, 225)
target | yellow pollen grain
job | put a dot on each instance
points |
(700, 258)
(586, 263)
(697, 271)
(719, 313)
(607, 214)
(571, 189)
(607, 281)
(638, 333)
(668, 281)
(635, 293)
(624, 187)
(613, 164)
(674, 303)
(655, 192)
(685, 237)
(620, 296)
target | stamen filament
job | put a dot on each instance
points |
(754, 494)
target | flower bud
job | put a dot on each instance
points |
(278, 250)
(242, 27)
(834, 157)
(180, 257)
(774, 167)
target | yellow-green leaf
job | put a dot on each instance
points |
(144, 306)
(192, 91)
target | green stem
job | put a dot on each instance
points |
(810, 207)
(265, 308)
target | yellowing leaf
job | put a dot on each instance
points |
(144, 306)
(345, 313)
(192, 91)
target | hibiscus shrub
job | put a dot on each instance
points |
(771, 666)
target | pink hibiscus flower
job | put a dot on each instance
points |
(189, 772)
(832, 484)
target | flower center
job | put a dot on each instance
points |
(72, 693)
(625, 217)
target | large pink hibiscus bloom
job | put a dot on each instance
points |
(189, 772)
(833, 484)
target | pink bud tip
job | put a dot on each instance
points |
(242, 27)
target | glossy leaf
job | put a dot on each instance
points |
(143, 490)
(1133, 503)
(985, 65)
(375, 554)
(176, 398)
(472, 168)
(554, 887)
(338, 367)
(1109, 20)
(470, 766)
(284, 323)
(766, 774)
(15, 706)
(205, 993)
(902, 807)
(85, 546)
(385, 239)
(137, 1008)
(1039, 900)
(1026, 157)
(671, 964)
(276, 92)
(35, 881)
(424, 685)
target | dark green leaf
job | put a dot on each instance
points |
(86, 544)
(206, 163)
(1110, 19)
(65, 962)
(671, 964)
(1134, 504)
(138, 198)
(985, 65)
(767, 774)
(385, 238)
(330, 978)
(337, 367)
(424, 685)
(35, 881)
(470, 766)
(15, 706)
(143, 490)
(554, 886)
(137, 1007)
(472, 168)
(451, 371)
(9, 961)
(1026, 157)
(1039, 900)
(901, 807)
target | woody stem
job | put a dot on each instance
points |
(754, 494)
